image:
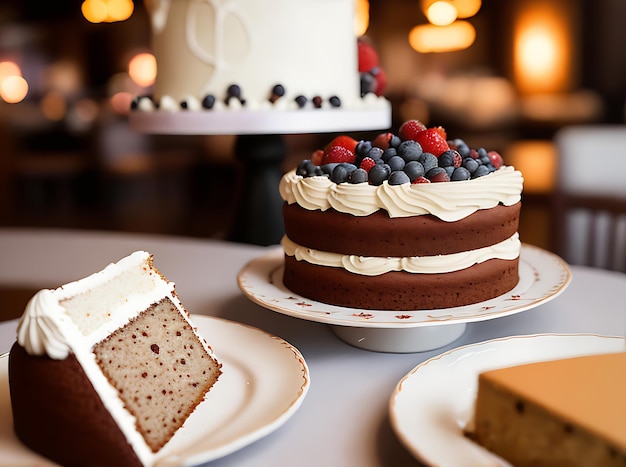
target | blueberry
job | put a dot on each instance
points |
(233, 91)
(301, 101)
(481, 171)
(208, 101)
(483, 156)
(396, 163)
(341, 172)
(306, 168)
(414, 169)
(379, 173)
(470, 164)
(375, 153)
(362, 148)
(328, 168)
(395, 141)
(450, 158)
(460, 173)
(368, 83)
(462, 147)
(334, 101)
(278, 90)
(410, 150)
(449, 170)
(428, 160)
(389, 153)
(398, 177)
(358, 176)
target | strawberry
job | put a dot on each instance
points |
(337, 154)
(441, 130)
(432, 141)
(410, 129)
(367, 163)
(317, 156)
(368, 58)
(496, 159)
(343, 141)
(382, 140)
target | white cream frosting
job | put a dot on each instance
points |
(449, 201)
(78, 315)
(508, 249)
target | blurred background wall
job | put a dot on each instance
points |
(506, 75)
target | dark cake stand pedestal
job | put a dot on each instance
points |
(261, 150)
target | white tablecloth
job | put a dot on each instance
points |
(343, 420)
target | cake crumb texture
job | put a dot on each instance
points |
(160, 369)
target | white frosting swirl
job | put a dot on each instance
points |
(39, 329)
(448, 201)
(509, 249)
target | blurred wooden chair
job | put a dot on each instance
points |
(589, 222)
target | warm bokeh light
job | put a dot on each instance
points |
(98, 11)
(428, 38)
(142, 69)
(54, 106)
(13, 89)
(464, 8)
(362, 17)
(537, 161)
(542, 50)
(441, 13)
(9, 69)
(120, 102)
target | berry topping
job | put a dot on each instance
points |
(389, 157)
(496, 159)
(438, 174)
(432, 141)
(343, 141)
(278, 91)
(317, 157)
(367, 163)
(317, 102)
(338, 154)
(382, 140)
(410, 129)
(301, 101)
(208, 101)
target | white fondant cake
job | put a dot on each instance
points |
(254, 55)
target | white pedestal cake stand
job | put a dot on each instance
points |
(260, 147)
(543, 276)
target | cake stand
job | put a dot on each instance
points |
(543, 276)
(261, 149)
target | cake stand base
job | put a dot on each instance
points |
(397, 340)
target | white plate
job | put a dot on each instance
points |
(264, 380)
(433, 403)
(542, 277)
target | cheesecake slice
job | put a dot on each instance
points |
(567, 412)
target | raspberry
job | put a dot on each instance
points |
(344, 141)
(420, 179)
(317, 156)
(496, 159)
(410, 129)
(432, 141)
(382, 140)
(367, 163)
(337, 154)
(438, 174)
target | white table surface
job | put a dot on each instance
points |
(343, 420)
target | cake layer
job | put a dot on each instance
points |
(399, 290)
(42, 392)
(380, 235)
(567, 412)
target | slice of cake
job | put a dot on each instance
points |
(569, 412)
(106, 369)
(407, 221)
